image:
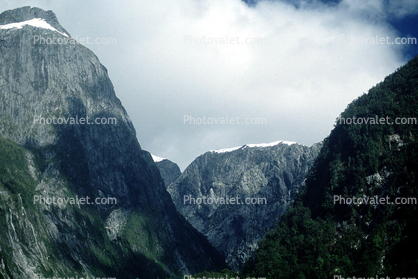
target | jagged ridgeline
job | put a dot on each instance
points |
(262, 177)
(141, 235)
(322, 235)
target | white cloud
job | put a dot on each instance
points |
(310, 62)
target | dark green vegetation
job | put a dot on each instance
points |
(82, 239)
(319, 239)
(226, 273)
(18, 212)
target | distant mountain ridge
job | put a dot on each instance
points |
(223, 150)
(273, 172)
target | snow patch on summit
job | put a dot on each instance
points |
(272, 143)
(157, 159)
(36, 22)
(262, 145)
(226, 149)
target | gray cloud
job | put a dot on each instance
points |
(402, 8)
(296, 68)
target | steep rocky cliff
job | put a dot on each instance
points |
(169, 170)
(266, 176)
(48, 151)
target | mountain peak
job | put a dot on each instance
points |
(58, 105)
(32, 16)
(157, 159)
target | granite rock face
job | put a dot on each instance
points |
(234, 196)
(169, 170)
(42, 86)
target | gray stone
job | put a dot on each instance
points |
(142, 235)
(169, 170)
(273, 173)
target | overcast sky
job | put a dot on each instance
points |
(288, 68)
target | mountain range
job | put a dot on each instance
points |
(80, 197)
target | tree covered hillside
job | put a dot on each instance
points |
(324, 233)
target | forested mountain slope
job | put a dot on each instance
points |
(324, 233)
